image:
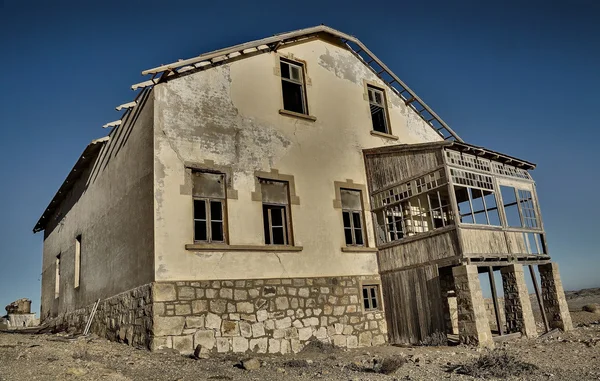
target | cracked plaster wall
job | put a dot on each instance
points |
(229, 114)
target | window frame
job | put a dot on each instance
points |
(302, 83)
(207, 205)
(77, 281)
(351, 211)
(521, 203)
(383, 106)
(369, 299)
(469, 189)
(288, 236)
(57, 266)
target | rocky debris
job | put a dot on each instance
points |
(250, 364)
(593, 308)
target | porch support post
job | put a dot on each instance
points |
(517, 306)
(473, 324)
(555, 303)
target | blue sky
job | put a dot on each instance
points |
(520, 77)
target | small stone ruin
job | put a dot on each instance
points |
(19, 315)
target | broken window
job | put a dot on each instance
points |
(377, 104)
(519, 207)
(209, 206)
(534, 242)
(370, 297)
(418, 214)
(77, 260)
(352, 216)
(276, 216)
(292, 83)
(477, 206)
(57, 277)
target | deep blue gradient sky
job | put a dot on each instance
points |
(521, 77)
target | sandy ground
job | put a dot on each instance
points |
(565, 356)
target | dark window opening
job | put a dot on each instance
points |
(292, 83)
(274, 217)
(377, 104)
(370, 297)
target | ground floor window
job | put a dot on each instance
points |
(370, 297)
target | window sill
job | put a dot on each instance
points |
(384, 135)
(358, 249)
(297, 115)
(221, 247)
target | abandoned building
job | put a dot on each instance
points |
(285, 190)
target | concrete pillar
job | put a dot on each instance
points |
(473, 325)
(517, 306)
(553, 295)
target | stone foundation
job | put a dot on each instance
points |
(126, 317)
(264, 316)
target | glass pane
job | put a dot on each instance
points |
(216, 230)
(278, 236)
(277, 216)
(346, 218)
(511, 210)
(378, 119)
(292, 97)
(285, 69)
(356, 220)
(348, 236)
(434, 200)
(266, 224)
(209, 185)
(464, 207)
(216, 211)
(200, 231)
(492, 208)
(295, 73)
(508, 194)
(274, 192)
(350, 199)
(478, 209)
(199, 210)
(365, 293)
(358, 236)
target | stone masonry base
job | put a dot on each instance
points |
(264, 316)
(126, 317)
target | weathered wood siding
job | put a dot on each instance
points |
(427, 249)
(413, 304)
(516, 242)
(387, 169)
(482, 242)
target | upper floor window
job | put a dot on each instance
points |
(477, 206)
(519, 207)
(377, 104)
(353, 217)
(293, 86)
(209, 207)
(276, 213)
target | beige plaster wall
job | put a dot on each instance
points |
(229, 114)
(110, 206)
